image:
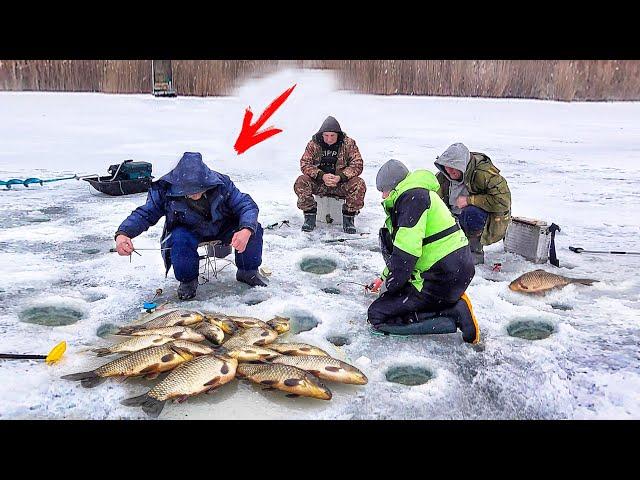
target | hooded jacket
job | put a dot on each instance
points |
(166, 197)
(457, 188)
(487, 189)
(349, 162)
(420, 230)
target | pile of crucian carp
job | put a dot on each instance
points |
(173, 339)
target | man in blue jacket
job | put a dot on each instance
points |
(199, 205)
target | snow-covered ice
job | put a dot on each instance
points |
(575, 164)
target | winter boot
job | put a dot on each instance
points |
(309, 221)
(187, 290)
(476, 249)
(465, 319)
(253, 278)
(347, 223)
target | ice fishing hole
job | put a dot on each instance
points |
(318, 265)
(331, 290)
(95, 296)
(409, 375)
(51, 315)
(560, 306)
(54, 210)
(339, 340)
(530, 329)
(106, 329)
(91, 251)
(302, 321)
(255, 299)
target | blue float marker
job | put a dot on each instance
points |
(148, 306)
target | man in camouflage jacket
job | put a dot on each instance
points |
(476, 193)
(331, 166)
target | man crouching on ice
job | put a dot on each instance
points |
(428, 261)
(200, 205)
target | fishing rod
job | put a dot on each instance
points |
(53, 356)
(336, 240)
(366, 287)
(114, 250)
(614, 252)
(283, 223)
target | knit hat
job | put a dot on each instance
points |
(390, 175)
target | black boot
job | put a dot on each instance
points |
(347, 223)
(309, 221)
(251, 278)
(465, 320)
(187, 290)
(476, 248)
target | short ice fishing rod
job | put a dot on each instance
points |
(614, 252)
(54, 355)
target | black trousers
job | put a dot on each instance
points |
(444, 284)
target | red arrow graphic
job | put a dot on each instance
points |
(249, 135)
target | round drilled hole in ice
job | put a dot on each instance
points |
(38, 219)
(339, 340)
(255, 299)
(530, 329)
(318, 265)
(107, 329)
(51, 315)
(302, 321)
(95, 296)
(331, 290)
(561, 306)
(409, 375)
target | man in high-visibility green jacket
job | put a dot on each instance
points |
(428, 261)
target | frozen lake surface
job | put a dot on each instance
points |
(575, 164)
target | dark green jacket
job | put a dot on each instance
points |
(415, 212)
(487, 190)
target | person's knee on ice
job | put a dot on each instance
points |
(331, 165)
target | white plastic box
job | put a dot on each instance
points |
(528, 237)
(329, 209)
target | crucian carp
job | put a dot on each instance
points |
(540, 281)
(202, 374)
(150, 361)
(327, 368)
(295, 381)
(297, 349)
(176, 333)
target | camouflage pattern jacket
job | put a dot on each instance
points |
(348, 163)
